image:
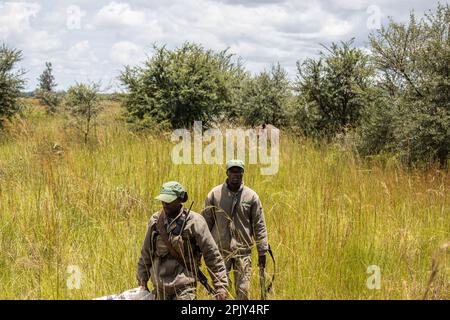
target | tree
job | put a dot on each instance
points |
(83, 105)
(266, 98)
(335, 88)
(11, 82)
(174, 88)
(413, 62)
(46, 90)
(46, 79)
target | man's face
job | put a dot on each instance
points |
(171, 207)
(235, 175)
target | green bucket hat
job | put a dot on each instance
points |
(170, 191)
(235, 163)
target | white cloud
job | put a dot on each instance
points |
(117, 32)
(334, 27)
(265, 30)
(360, 5)
(41, 40)
(127, 53)
(15, 17)
(79, 51)
(15, 23)
(259, 52)
(119, 14)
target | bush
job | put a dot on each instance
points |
(266, 98)
(335, 89)
(82, 104)
(46, 90)
(177, 87)
(11, 82)
(378, 127)
(414, 65)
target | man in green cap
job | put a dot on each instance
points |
(175, 241)
(235, 217)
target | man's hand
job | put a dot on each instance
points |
(262, 261)
(221, 294)
(143, 286)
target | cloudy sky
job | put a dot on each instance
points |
(87, 40)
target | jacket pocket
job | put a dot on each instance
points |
(161, 248)
(246, 207)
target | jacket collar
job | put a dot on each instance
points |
(166, 218)
(229, 190)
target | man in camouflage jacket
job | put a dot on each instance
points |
(190, 237)
(235, 216)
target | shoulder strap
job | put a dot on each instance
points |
(165, 238)
(211, 207)
(236, 200)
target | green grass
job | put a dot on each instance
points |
(329, 214)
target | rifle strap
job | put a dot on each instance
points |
(274, 268)
(165, 238)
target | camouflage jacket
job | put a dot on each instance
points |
(195, 240)
(234, 231)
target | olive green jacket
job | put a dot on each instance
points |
(234, 232)
(166, 273)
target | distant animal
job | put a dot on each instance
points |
(265, 128)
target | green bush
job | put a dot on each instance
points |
(46, 89)
(82, 104)
(11, 82)
(178, 87)
(413, 61)
(334, 90)
(266, 98)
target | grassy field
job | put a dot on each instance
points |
(329, 214)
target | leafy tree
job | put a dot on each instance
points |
(413, 61)
(46, 90)
(174, 88)
(335, 88)
(11, 82)
(82, 103)
(47, 79)
(266, 98)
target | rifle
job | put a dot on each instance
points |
(262, 283)
(262, 278)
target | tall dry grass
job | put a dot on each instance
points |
(329, 214)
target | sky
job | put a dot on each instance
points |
(92, 41)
